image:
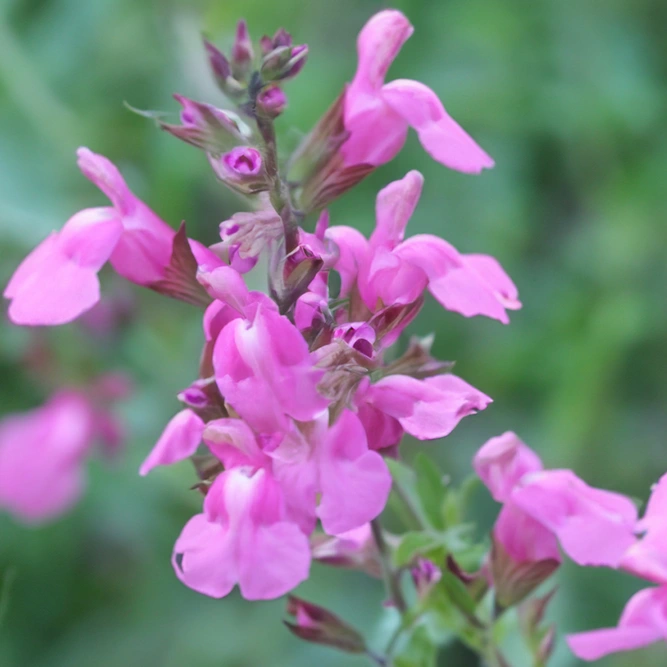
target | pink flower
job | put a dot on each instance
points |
(378, 115)
(179, 440)
(643, 622)
(647, 557)
(335, 462)
(58, 281)
(264, 370)
(389, 270)
(242, 538)
(42, 454)
(502, 462)
(426, 409)
(355, 549)
(524, 539)
(240, 169)
(593, 526)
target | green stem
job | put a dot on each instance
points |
(410, 505)
(391, 577)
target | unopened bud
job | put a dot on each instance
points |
(272, 101)
(242, 53)
(207, 127)
(291, 276)
(284, 62)
(425, 574)
(241, 169)
(547, 645)
(222, 72)
(318, 625)
(282, 38)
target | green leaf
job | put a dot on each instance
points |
(415, 544)
(420, 651)
(430, 489)
(458, 593)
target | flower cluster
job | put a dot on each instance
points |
(543, 509)
(295, 418)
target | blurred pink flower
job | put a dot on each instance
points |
(43, 454)
(643, 622)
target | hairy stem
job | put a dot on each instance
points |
(278, 189)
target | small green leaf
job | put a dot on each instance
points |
(415, 544)
(430, 489)
(458, 593)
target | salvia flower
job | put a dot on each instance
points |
(43, 452)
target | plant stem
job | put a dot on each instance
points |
(278, 189)
(391, 577)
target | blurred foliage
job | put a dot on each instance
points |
(569, 98)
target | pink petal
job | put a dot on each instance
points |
(58, 280)
(207, 561)
(501, 463)
(179, 440)
(394, 207)
(427, 409)
(596, 644)
(594, 527)
(277, 561)
(354, 482)
(105, 175)
(233, 442)
(226, 285)
(353, 253)
(41, 457)
(454, 282)
(524, 538)
(378, 44)
(441, 136)
(644, 621)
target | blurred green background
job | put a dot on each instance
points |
(570, 98)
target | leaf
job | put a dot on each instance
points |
(415, 544)
(420, 651)
(430, 489)
(458, 593)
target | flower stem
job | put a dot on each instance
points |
(278, 189)
(391, 577)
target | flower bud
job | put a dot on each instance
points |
(425, 574)
(241, 169)
(547, 645)
(272, 101)
(291, 276)
(222, 72)
(284, 62)
(207, 127)
(318, 625)
(242, 53)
